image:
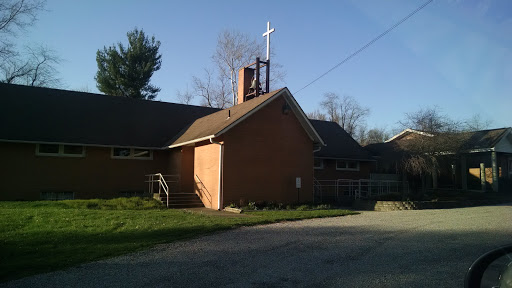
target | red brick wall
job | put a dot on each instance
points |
(24, 175)
(263, 156)
(187, 169)
(329, 171)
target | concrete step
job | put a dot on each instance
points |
(181, 200)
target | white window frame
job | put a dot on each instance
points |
(132, 154)
(56, 194)
(61, 151)
(346, 165)
(321, 164)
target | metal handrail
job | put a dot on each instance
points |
(162, 184)
(208, 196)
(317, 188)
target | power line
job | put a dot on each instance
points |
(367, 44)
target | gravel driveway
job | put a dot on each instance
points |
(427, 248)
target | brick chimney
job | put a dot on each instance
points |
(244, 82)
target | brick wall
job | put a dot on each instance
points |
(25, 175)
(329, 171)
(263, 156)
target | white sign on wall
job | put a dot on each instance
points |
(298, 183)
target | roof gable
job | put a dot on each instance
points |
(473, 141)
(339, 144)
(505, 143)
(487, 140)
(407, 132)
(218, 123)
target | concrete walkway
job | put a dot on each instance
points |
(424, 248)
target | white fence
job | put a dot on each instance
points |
(335, 190)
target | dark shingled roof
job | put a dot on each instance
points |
(483, 139)
(340, 144)
(216, 124)
(37, 114)
(212, 124)
(469, 141)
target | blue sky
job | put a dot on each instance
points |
(453, 54)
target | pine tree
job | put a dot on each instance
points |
(126, 71)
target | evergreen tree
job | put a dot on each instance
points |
(126, 71)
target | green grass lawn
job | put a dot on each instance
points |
(43, 236)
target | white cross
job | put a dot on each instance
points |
(267, 34)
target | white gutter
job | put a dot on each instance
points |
(191, 141)
(221, 156)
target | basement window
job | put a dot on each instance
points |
(60, 150)
(57, 195)
(347, 165)
(129, 194)
(131, 153)
(318, 163)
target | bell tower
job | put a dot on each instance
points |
(249, 85)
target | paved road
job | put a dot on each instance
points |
(428, 248)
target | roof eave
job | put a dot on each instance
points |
(191, 141)
(312, 133)
(82, 144)
(408, 130)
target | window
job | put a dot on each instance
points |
(128, 194)
(121, 152)
(131, 153)
(57, 195)
(318, 163)
(347, 165)
(141, 153)
(60, 150)
(72, 150)
(48, 149)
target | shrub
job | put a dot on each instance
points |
(303, 208)
(252, 206)
(323, 206)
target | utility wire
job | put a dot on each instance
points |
(367, 44)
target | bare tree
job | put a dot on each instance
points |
(317, 115)
(16, 17)
(430, 120)
(38, 69)
(34, 66)
(212, 94)
(352, 114)
(346, 111)
(185, 97)
(330, 105)
(374, 135)
(442, 139)
(476, 122)
(234, 50)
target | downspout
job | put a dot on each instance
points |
(221, 158)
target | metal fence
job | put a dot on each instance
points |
(336, 190)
